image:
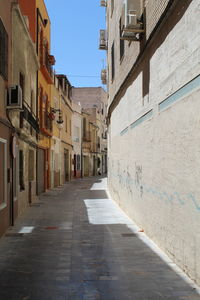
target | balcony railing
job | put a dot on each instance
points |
(103, 3)
(30, 117)
(48, 64)
(104, 76)
(47, 121)
(46, 67)
(86, 136)
(46, 125)
(103, 40)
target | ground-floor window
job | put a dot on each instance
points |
(66, 164)
(15, 172)
(31, 165)
(21, 170)
(3, 173)
(78, 164)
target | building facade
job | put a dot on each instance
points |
(8, 207)
(93, 101)
(77, 140)
(45, 80)
(66, 131)
(40, 29)
(57, 125)
(87, 167)
(24, 73)
(154, 88)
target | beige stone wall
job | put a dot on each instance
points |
(23, 195)
(24, 61)
(94, 102)
(154, 164)
(24, 57)
(5, 11)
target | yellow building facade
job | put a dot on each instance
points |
(57, 126)
(66, 130)
(45, 81)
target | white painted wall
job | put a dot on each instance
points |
(76, 123)
(154, 167)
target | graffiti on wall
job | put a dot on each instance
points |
(124, 180)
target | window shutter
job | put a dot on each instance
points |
(3, 51)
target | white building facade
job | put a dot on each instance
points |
(76, 140)
(153, 114)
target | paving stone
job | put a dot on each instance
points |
(67, 258)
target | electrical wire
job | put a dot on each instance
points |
(83, 76)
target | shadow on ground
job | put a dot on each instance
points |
(80, 247)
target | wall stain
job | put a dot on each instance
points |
(128, 182)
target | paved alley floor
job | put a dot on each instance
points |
(75, 243)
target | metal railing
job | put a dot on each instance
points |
(30, 117)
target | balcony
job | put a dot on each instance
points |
(86, 136)
(30, 117)
(46, 62)
(76, 139)
(103, 3)
(103, 40)
(46, 123)
(104, 76)
(133, 25)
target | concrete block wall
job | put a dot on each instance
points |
(154, 154)
(123, 66)
(154, 9)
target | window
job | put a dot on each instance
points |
(98, 142)
(3, 51)
(21, 170)
(15, 174)
(76, 134)
(69, 92)
(84, 127)
(41, 48)
(121, 43)
(78, 163)
(66, 124)
(31, 107)
(113, 61)
(31, 165)
(3, 173)
(112, 7)
(47, 123)
(21, 83)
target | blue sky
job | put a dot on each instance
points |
(75, 26)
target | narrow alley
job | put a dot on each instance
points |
(75, 243)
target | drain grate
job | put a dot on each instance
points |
(35, 204)
(14, 234)
(51, 227)
(129, 235)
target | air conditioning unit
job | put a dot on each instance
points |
(103, 40)
(132, 24)
(103, 3)
(76, 139)
(104, 76)
(14, 100)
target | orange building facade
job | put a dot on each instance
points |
(40, 27)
